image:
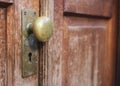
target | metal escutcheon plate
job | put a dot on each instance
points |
(29, 45)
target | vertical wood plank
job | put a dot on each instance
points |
(14, 53)
(118, 49)
(10, 46)
(112, 32)
(19, 5)
(7, 1)
(46, 52)
(3, 75)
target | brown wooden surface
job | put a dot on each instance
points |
(10, 46)
(3, 62)
(46, 49)
(8, 1)
(85, 52)
(89, 7)
(12, 76)
(112, 33)
(118, 49)
(81, 55)
(15, 42)
(82, 50)
(5, 3)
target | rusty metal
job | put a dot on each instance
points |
(29, 44)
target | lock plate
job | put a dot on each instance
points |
(29, 44)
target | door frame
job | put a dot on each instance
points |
(118, 49)
(45, 60)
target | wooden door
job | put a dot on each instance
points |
(82, 51)
(10, 43)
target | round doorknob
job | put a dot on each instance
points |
(42, 28)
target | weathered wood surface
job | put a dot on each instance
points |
(3, 59)
(85, 51)
(14, 52)
(51, 53)
(5, 3)
(80, 50)
(78, 54)
(89, 7)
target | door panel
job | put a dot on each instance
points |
(3, 76)
(84, 60)
(89, 7)
(85, 51)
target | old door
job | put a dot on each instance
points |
(82, 50)
(10, 43)
(80, 53)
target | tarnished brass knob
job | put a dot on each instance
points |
(42, 28)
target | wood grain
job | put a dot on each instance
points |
(118, 49)
(50, 64)
(86, 56)
(81, 51)
(14, 43)
(85, 51)
(8, 1)
(89, 7)
(84, 46)
(112, 33)
(18, 80)
(5, 3)
(3, 70)
(10, 46)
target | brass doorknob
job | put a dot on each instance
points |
(42, 28)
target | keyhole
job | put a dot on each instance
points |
(30, 56)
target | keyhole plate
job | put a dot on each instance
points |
(29, 45)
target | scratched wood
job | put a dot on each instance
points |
(3, 55)
(88, 7)
(7, 1)
(14, 52)
(50, 73)
(18, 80)
(78, 54)
(47, 70)
(80, 50)
(10, 46)
(85, 52)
